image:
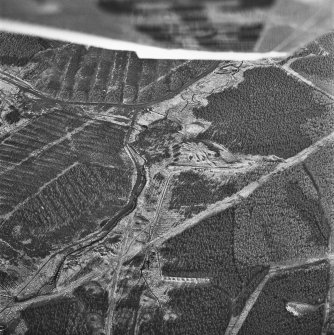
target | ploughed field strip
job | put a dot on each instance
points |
(164, 197)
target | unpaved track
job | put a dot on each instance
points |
(245, 192)
(286, 67)
(237, 322)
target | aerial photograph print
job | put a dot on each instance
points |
(156, 196)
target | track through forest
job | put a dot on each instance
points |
(54, 263)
